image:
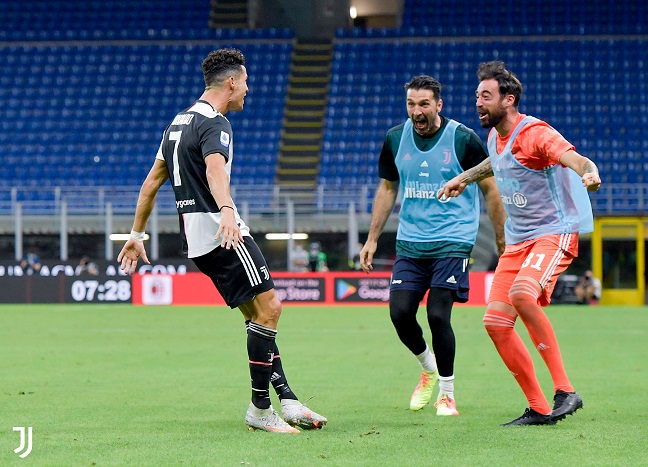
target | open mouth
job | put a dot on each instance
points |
(420, 124)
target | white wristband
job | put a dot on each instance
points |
(138, 236)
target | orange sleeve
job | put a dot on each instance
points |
(538, 146)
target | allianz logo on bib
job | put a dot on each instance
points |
(185, 202)
(518, 199)
(421, 190)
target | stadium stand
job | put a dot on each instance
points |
(100, 20)
(92, 114)
(87, 87)
(513, 18)
(594, 92)
(583, 65)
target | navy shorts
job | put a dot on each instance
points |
(421, 274)
(239, 275)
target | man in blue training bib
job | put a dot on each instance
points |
(435, 237)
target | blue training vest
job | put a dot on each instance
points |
(538, 202)
(423, 218)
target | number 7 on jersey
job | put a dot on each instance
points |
(175, 136)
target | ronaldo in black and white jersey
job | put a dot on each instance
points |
(196, 155)
(196, 133)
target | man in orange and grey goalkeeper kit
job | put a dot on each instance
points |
(543, 182)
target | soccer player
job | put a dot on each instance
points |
(434, 238)
(544, 184)
(196, 153)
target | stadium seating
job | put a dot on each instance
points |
(514, 18)
(595, 92)
(82, 20)
(88, 114)
(87, 87)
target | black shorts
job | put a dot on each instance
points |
(239, 275)
(421, 274)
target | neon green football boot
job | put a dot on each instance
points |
(423, 392)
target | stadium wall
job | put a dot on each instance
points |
(191, 288)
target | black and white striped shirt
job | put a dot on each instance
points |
(194, 134)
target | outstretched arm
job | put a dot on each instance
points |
(383, 206)
(495, 210)
(134, 247)
(457, 185)
(583, 167)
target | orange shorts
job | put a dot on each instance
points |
(543, 258)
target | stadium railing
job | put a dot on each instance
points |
(258, 199)
(612, 199)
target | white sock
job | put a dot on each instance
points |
(428, 363)
(446, 387)
(257, 412)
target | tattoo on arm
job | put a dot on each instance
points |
(590, 167)
(478, 173)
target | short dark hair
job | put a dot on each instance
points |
(508, 82)
(425, 82)
(220, 64)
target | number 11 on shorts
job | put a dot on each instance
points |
(539, 258)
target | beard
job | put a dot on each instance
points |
(492, 119)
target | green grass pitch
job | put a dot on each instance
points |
(114, 385)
